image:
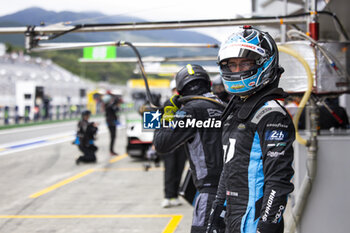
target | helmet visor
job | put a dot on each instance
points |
(241, 50)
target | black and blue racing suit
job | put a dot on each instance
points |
(204, 153)
(257, 138)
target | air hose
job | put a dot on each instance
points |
(311, 165)
(332, 61)
(307, 94)
(142, 69)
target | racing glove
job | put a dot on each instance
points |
(216, 219)
(270, 227)
(170, 108)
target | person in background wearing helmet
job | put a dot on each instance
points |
(219, 90)
(174, 163)
(85, 139)
(203, 145)
(257, 138)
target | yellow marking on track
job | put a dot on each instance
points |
(170, 228)
(173, 223)
(2, 149)
(116, 159)
(73, 178)
(63, 182)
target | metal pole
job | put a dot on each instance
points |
(66, 46)
(308, 19)
(152, 26)
(284, 26)
(149, 59)
(313, 8)
(311, 167)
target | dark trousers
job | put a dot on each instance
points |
(113, 134)
(201, 212)
(173, 167)
(89, 153)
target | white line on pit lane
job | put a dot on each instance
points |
(40, 127)
(49, 140)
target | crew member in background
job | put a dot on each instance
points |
(85, 139)
(257, 138)
(112, 108)
(202, 145)
(174, 163)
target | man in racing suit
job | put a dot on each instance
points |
(202, 144)
(258, 134)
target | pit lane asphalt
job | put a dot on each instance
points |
(42, 189)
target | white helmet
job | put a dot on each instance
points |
(251, 43)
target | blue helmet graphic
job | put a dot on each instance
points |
(253, 44)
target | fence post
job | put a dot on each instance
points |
(64, 111)
(57, 112)
(6, 115)
(26, 113)
(36, 113)
(50, 112)
(43, 114)
(16, 115)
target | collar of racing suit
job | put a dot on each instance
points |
(252, 103)
(206, 96)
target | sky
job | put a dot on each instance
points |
(152, 10)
